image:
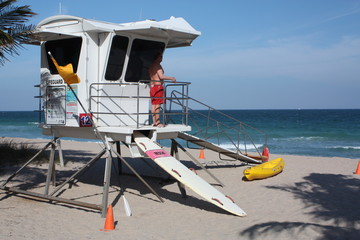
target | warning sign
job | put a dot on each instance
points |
(55, 105)
(71, 103)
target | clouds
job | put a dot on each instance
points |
(283, 73)
(306, 51)
(348, 12)
(281, 58)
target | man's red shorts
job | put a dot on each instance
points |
(157, 94)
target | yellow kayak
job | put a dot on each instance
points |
(265, 170)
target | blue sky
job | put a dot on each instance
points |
(258, 54)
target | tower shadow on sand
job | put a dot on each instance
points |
(329, 197)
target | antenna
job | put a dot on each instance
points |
(60, 10)
(140, 15)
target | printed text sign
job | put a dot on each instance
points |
(157, 153)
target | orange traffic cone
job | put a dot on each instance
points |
(358, 168)
(265, 154)
(109, 222)
(202, 154)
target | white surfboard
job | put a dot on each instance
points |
(186, 176)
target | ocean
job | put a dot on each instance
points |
(327, 133)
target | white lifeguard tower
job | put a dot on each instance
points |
(112, 62)
(111, 102)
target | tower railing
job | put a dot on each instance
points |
(104, 103)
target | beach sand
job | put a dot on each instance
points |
(313, 198)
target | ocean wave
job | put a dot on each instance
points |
(313, 138)
(241, 146)
(345, 147)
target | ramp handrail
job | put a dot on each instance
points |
(205, 126)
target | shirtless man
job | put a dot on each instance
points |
(157, 78)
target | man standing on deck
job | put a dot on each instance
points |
(157, 78)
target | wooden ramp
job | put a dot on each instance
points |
(216, 148)
(187, 177)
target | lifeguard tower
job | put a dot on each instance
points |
(111, 102)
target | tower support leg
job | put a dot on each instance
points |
(107, 179)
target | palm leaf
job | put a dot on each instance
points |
(13, 31)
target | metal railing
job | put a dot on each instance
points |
(215, 126)
(99, 95)
(207, 123)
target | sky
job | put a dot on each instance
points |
(252, 54)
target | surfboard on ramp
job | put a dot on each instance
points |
(181, 173)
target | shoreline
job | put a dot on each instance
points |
(313, 198)
(78, 141)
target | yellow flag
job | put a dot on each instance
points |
(66, 72)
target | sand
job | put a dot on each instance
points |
(313, 198)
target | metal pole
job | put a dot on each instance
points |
(107, 179)
(50, 169)
(138, 176)
(81, 170)
(137, 105)
(27, 163)
(58, 144)
(175, 152)
(200, 164)
(51, 198)
(118, 150)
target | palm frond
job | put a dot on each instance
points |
(13, 31)
(17, 15)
